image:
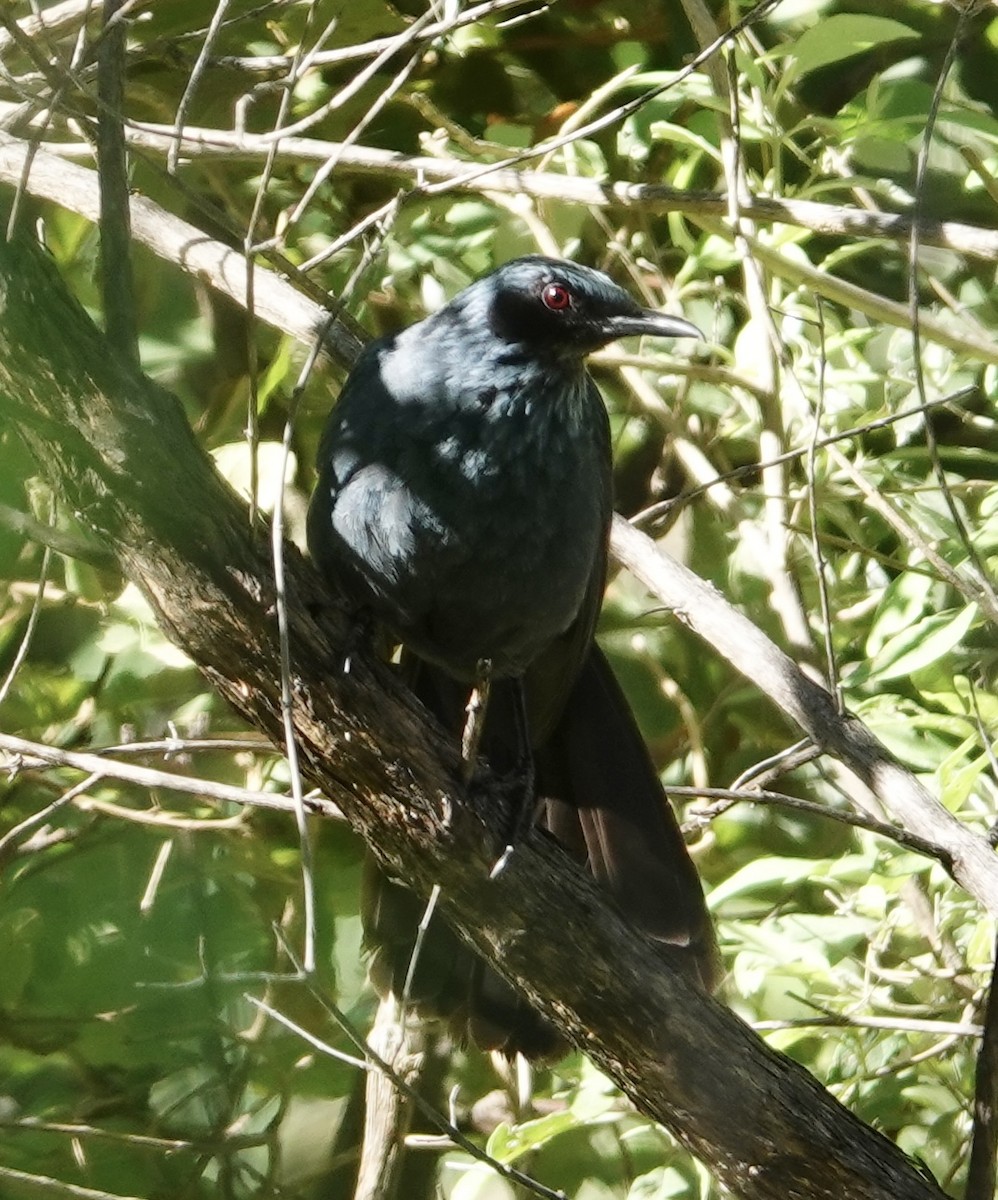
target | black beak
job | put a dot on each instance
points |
(646, 322)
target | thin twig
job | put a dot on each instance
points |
(270, 64)
(982, 580)
(971, 589)
(892, 1024)
(13, 837)
(55, 21)
(117, 280)
(24, 754)
(29, 631)
(327, 168)
(28, 1184)
(277, 546)
(650, 517)
(729, 797)
(449, 174)
(373, 1061)
(193, 80)
(820, 566)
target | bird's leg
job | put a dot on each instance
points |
(478, 702)
(361, 636)
(524, 804)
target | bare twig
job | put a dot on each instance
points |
(728, 797)
(277, 64)
(372, 1061)
(981, 581)
(54, 21)
(817, 551)
(286, 308)
(13, 837)
(30, 1185)
(29, 630)
(658, 199)
(193, 81)
(972, 589)
(650, 518)
(895, 1024)
(22, 754)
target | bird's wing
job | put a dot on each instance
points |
(551, 676)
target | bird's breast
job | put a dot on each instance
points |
(474, 529)
(518, 531)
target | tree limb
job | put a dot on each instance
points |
(657, 198)
(120, 452)
(728, 632)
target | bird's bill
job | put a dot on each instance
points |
(648, 323)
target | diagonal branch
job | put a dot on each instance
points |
(810, 707)
(279, 304)
(120, 452)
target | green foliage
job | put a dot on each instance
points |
(138, 927)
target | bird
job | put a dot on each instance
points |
(462, 504)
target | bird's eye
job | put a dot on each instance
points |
(557, 297)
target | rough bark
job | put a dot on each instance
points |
(120, 453)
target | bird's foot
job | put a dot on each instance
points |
(521, 787)
(360, 637)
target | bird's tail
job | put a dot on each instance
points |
(602, 800)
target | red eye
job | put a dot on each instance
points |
(557, 297)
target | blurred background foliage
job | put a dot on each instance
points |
(137, 924)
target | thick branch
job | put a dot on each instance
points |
(982, 1169)
(705, 610)
(120, 453)
(276, 301)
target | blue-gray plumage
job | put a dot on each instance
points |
(464, 476)
(464, 501)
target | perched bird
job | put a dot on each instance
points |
(463, 502)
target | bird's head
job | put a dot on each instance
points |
(561, 308)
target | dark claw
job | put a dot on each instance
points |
(522, 791)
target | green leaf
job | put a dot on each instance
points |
(508, 1142)
(480, 1182)
(843, 36)
(922, 644)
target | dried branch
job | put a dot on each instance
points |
(17, 754)
(116, 277)
(66, 184)
(415, 171)
(811, 708)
